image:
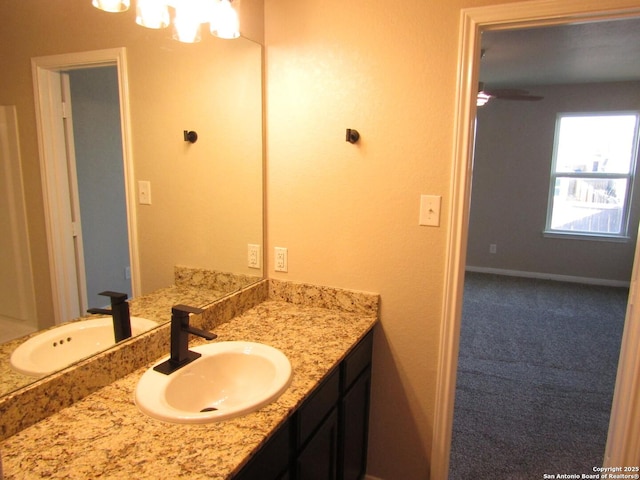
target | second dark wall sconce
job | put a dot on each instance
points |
(190, 136)
(352, 135)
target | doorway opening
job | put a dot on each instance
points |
(87, 177)
(621, 441)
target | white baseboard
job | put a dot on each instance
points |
(549, 276)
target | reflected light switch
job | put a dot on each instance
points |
(144, 192)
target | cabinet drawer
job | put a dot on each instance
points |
(318, 406)
(357, 361)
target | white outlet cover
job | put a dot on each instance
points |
(253, 256)
(281, 260)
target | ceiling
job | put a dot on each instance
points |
(581, 53)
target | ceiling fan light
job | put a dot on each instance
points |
(113, 6)
(482, 99)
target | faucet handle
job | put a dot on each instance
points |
(116, 297)
(181, 315)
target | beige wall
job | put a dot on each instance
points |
(514, 149)
(207, 197)
(349, 213)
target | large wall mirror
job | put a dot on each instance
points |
(206, 197)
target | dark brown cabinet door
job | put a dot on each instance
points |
(319, 458)
(354, 428)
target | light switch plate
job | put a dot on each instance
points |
(430, 210)
(144, 192)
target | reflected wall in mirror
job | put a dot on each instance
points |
(206, 197)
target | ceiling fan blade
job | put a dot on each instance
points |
(513, 94)
(526, 98)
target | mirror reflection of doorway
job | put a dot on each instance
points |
(103, 246)
(85, 156)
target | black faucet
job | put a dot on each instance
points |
(120, 313)
(180, 330)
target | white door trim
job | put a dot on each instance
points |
(72, 177)
(623, 441)
(472, 22)
(46, 84)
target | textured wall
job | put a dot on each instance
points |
(514, 150)
(349, 213)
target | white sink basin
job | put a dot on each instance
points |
(61, 346)
(229, 379)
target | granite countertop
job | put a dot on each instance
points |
(105, 435)
(192, 286)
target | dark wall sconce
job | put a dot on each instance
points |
(352, 135)
(190, 136)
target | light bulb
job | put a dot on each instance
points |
(186, 31)
(225, 23)
(188, 17)
(482, 99)
(152, 13)
(112, 6)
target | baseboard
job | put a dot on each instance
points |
(549, 276)
(371, 477)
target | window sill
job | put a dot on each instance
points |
(586, 236)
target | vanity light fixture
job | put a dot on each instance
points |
(187, 16)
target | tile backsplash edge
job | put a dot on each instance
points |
(351, 301)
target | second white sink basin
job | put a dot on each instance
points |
(59, 347)
(229, 379)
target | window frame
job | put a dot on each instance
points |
(623, 235)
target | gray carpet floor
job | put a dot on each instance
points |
(536, 374)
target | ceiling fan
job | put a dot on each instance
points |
(484, 95)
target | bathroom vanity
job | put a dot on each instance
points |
(319, 424)
(326, 437)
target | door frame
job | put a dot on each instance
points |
(53, 164)
(622, 445)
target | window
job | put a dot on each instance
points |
(594, 161)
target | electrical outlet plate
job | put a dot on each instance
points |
(253, 256)
(281, 260)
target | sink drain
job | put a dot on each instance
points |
(208, 409)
